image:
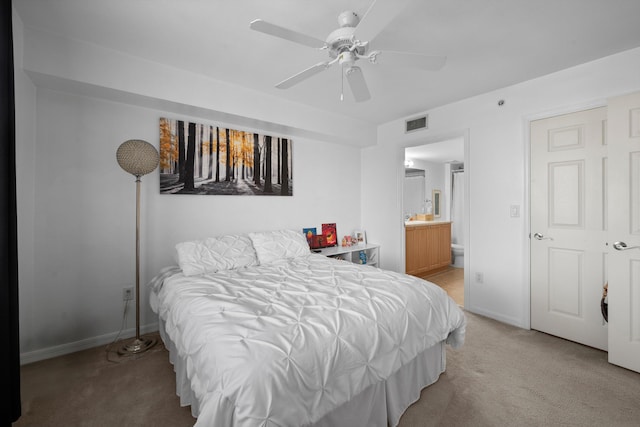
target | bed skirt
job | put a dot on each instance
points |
(381, 404)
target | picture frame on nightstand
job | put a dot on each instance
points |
(330, 233)
(360, 237)
(309, 234)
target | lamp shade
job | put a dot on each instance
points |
(137, 157)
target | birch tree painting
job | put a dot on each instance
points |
(208, 159)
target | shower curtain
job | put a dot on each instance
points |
(457, 208)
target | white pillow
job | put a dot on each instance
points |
(215, 253)
(271, 246)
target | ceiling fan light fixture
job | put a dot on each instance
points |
(347, 58)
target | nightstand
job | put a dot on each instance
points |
(352, 253)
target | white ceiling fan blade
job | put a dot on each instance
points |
(303, 75)
(357, 84)
(284, 33)
(410, 59)
(379, 15)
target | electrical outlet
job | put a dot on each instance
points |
(127, 294)
(479, 277)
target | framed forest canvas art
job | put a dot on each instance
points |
(213, 160)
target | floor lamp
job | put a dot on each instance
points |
(138, 158)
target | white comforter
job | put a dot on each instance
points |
(286, 343)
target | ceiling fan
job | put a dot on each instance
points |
(350, 43)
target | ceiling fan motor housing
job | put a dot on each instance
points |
(342, 40)
(348, 18)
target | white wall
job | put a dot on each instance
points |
(76, 207)
(496, 169)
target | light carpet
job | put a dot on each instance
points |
(503, 376)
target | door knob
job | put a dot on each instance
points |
(539, 236)
(622, 246)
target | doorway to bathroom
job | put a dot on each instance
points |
(434, 192)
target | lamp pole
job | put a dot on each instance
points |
(138, 257)
(138, 158)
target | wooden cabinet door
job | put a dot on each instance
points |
(427, 248)
(410, 250)
(414, 249)
(444, 245)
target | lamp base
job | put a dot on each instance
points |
(136, 346)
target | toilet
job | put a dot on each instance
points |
(457, 255)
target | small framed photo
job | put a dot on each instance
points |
(359, 237)
(330, 234)
(309, 233)
(436, 203)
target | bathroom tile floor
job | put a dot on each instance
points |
(452, 281)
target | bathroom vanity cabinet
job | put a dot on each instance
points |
(427, 247)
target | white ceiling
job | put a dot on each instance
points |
(489, 43)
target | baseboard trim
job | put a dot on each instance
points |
(72, 347)
(496, 316)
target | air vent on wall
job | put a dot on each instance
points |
(411, 172)
(416, 124)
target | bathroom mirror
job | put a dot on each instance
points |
(414, 192)
(436, 203)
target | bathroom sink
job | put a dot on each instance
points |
(416, 222)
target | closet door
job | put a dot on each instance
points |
(568, 226)
(624, 228)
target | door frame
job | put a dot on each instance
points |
(574, 108)
(464, 134)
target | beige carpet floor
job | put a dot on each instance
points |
(503, 376)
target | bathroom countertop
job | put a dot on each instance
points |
(416, 223)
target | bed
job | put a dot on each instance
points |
(263, 332)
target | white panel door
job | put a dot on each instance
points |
(624, 217)
(568, 226)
